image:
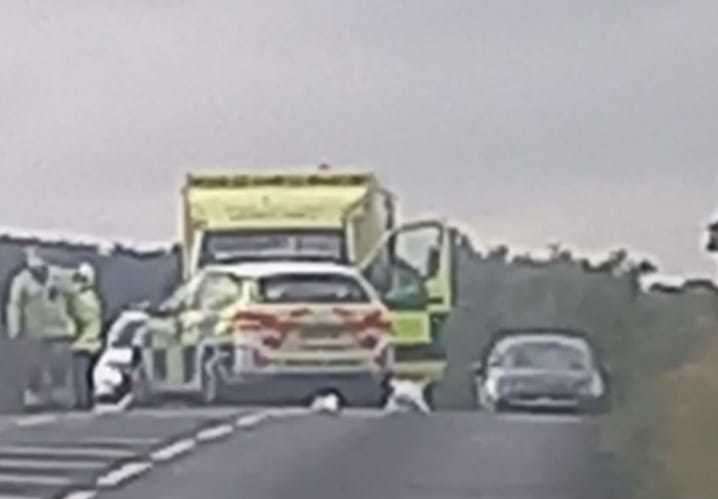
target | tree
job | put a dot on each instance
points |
(499, 252)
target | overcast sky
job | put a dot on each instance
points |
(594, 123)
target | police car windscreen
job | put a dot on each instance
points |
(311, 288)
(224, 247)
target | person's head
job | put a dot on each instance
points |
(36, 265)
(85, 275)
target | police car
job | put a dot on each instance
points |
(256, 332)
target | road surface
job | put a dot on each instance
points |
(254, 453)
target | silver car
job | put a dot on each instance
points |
(540, 369)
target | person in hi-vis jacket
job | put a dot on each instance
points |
(38, 313)
(86, 310)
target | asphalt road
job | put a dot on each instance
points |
(81, 454)
(364, 455)
(289, 453)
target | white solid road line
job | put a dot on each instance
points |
(129, 470)
(17, 496)
(369, 413)
(36, 420)
(66, 451)
(173, 450)
(288, 412)
(25, 479)
(215, 432)
(120, 441)
(43, 464)
(164, 413)
(542, 418)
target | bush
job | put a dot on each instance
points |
(689, 405)
(664, 402)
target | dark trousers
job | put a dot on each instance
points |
(62, 365)
(82, 363)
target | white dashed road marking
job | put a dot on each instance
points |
(215, 432)
(122, 474)
(80, 494)
(174, 450)
(58, 464)
(251, 420)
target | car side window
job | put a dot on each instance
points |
(419, 250)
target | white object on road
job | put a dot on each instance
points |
(326, 404)
(112, 390)
(108, 373)
(406, 396)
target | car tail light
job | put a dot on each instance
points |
(299, 312)
(270, 329)
(247, 321)
(370, 329)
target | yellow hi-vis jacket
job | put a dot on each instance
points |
(37, 310)
(86, 310)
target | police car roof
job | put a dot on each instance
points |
(267, 268)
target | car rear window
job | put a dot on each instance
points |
(311, 288)
(544, 354)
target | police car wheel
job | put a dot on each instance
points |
(141, 389)
(210, 386)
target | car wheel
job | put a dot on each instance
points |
(592, 406)
(141, 387)
(486, 403)
(210, 385)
